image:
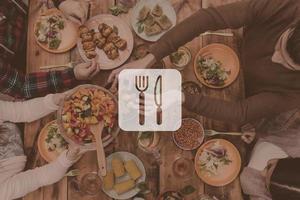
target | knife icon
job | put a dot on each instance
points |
(158, 99)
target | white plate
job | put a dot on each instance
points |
(168, 10)
(125, 156)
(124, 32)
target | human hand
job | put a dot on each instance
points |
(86, 71)
(74, 153)
(75, 10)
(248, 137)
(143, 63)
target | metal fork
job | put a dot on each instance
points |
(209, 133)
(141, 84)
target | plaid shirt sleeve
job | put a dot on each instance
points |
(34, 85)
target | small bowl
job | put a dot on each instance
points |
(200, 139)
(188, 53)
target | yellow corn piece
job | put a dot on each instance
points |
(125, 186)
(118, 167)
(109, 181)
(132, 169)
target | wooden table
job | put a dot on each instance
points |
(159, 178)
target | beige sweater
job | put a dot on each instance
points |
(13, 182)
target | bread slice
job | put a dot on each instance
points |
(153, 30)
(144, 12)
(164, 22)
(157, 11)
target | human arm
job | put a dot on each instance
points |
(31, 110)
(233, 15)
(256, 107)
(39, 84)
(74, 10)
(25, 182)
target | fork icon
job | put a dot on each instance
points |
(141, 84)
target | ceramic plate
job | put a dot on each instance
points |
(124, 32)
(44, 152)
(125, 156)
(226, 174)
(168, 10)
(69, 34)
(226, 56)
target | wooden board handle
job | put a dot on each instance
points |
(101, 157)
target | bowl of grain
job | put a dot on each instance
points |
(190, 135)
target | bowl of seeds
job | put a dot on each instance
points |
(190, 135)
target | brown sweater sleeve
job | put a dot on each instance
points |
(256, 107)
(233, 16)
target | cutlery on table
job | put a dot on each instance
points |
(158, 101)
(218, 34)
(69, 65)
(97, 132)
(209, 133)
(141, 84)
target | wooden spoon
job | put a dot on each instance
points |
(97, 131)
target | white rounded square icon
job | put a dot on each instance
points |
(150, 100)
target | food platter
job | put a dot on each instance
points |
(226, 59)
(228, 164)
(125, 156)
(167, 9)
(67, 36)
(123, 31)
(107, 138)
(44, 140)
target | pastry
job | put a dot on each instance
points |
(144, 12)
(88, 46)
(113, 54)
(83, 29)
(90, 54)
(153, 30)
(157, 11)
(164, 22)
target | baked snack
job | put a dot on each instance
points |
(164, 22)
(157, 11)
(83, 29)
(120, 44)
(106, 39)
(90, 54)
(88, 46)
(153, 30)
(143, 14)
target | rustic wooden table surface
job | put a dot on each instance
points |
(159, 177)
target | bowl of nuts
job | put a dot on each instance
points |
(190, 135)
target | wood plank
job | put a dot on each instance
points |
(233, 93)
(169, 152)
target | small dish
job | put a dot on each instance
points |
(181, 58)
(224, 163)
(225, 58)
(190, 135)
